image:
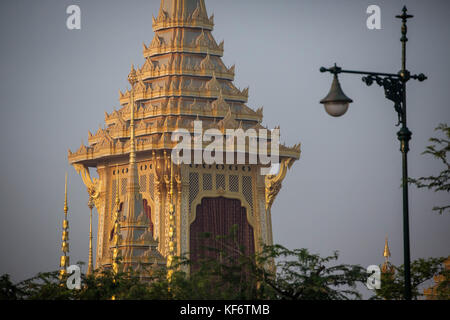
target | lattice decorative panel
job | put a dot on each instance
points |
(247, 190)
(113, 195)
(220, 181)
(207, 181)
(234, 183)
(151, 185)
(124, 186)
(143, 183)
(193, 187)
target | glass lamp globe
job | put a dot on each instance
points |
(336, 109)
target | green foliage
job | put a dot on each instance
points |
(230, 276)
(422, 270)
(8, 291)
(443, 288)
(44, 286)
(229, 273)
(438, 149)
(305, 276)
(104, 285)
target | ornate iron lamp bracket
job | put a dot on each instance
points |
(393, 84)
(393, 90)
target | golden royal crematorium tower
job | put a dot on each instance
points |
(148, 209)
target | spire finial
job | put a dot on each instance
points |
(132, 76)
(387, 252)
(404, 16)
(64, 261)
(387, 266)
(133, 183)
(66, 208)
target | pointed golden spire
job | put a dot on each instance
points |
(66, 208)
(64, 261)
(116, 253)
(133, 183)
(90, 264)
(387, 266)
(132, 78)
(387, 252)
(171, 224)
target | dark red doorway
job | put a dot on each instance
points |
(217, 216)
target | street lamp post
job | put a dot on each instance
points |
(394, 85)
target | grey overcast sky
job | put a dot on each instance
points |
(343, 194)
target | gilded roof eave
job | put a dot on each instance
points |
(90, 156)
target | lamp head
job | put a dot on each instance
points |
(336, 102)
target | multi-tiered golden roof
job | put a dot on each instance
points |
(183, 77)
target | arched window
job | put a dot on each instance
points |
(217, 216)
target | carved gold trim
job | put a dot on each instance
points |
(93, 185)
(163, 49)
(200, 20)
(164, 143)
(273, 182)
(225, 194)
(148, 94)
(207, 25)
(149, 74)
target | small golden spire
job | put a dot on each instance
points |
(387, 252)
(66, 208)
(170, 256)
(90, 264)
(387, 266)
(132, 79)
(64, 261)
(133, 182)
(116, 253)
